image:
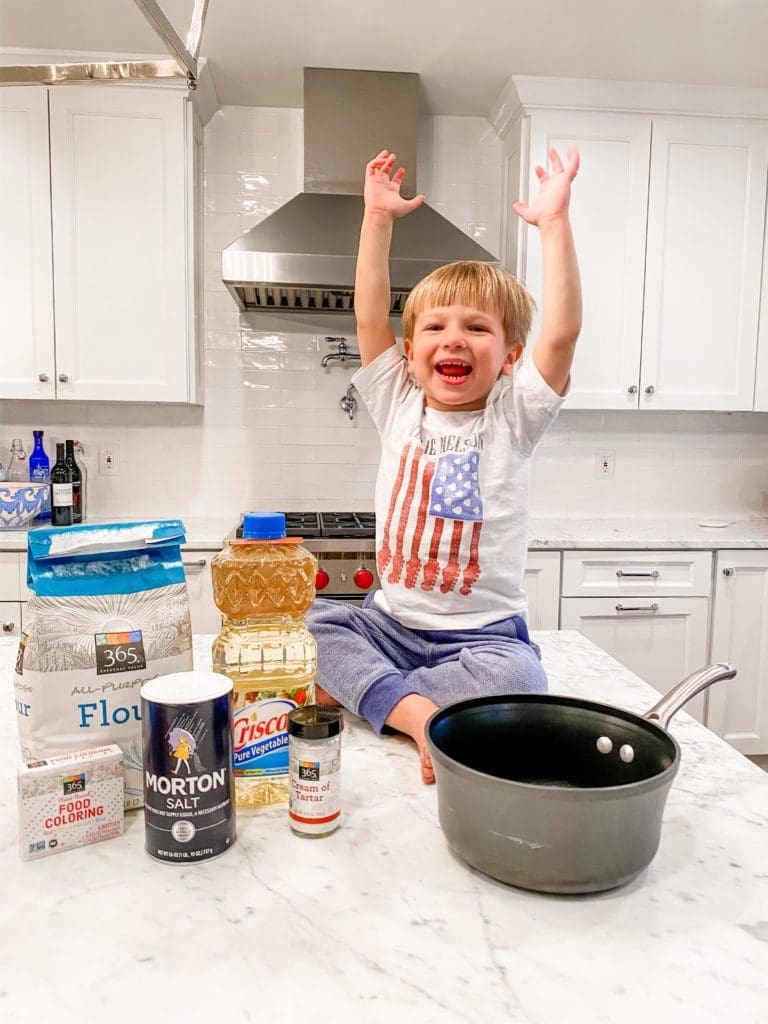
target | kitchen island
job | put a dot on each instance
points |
(380, 922)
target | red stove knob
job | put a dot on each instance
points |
(363, 579)
(322, 579)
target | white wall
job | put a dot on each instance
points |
(271, 433)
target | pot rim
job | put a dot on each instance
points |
(650, 782)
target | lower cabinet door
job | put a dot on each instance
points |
(206, 617)
(10, 618)
(541, 582)
(738, 709)
(662, 640)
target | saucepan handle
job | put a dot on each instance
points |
(671, 702)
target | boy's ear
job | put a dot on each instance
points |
(408, 350)
(514, 352)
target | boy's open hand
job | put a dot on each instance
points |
(382, 188)
(554, 190)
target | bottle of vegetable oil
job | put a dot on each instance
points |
(264, 585)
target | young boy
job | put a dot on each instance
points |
(452, 491)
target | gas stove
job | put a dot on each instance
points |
(344, 545)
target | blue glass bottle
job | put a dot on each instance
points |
(40, 471)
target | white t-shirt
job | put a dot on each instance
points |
(452, 496)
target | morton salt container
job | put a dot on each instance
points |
(264, 585)
(186, 725)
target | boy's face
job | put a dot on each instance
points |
(457, 353)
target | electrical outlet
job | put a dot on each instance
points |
(109, 460)
(604, 464)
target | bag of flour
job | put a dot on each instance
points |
(110, 611)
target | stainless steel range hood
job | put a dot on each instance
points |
(302, 257)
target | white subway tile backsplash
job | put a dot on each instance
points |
(271, 433)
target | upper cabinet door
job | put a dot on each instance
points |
(27, 365)
(608, 212)
(761, 378)
(704, 254)
(119, 184)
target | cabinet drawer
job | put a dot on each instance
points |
(10, 618)
(640, 573)
(10, 575)
(661, 639)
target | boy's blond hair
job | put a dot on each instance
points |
(470, 283)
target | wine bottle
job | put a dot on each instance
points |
(61, 489)
(77, 483)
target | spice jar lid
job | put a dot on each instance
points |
(315, 722)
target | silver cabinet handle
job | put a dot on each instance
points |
(651, 574)
(728, 571)
(637, 607)
(43, 378)
(632, 389)
(63, 378)
(650, 389)
(8, 627)
(193, 568)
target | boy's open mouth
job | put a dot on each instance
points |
(453, 371)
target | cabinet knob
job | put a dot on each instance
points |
(632, 389)
(650, 389)
(43, 378)
(8, 627)
(728, 571)
(63, 378)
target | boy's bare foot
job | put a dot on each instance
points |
(410, 716)
(323, 697)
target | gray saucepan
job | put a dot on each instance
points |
(557, 794)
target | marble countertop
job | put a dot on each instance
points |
(544, 534)
(380, 922)
(647, 534)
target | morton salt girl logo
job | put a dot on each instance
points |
(446, 491)
(182, 745)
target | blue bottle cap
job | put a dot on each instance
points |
(263, 526)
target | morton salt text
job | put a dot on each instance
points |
(70, 811)
(180, 793)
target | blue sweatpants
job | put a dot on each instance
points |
(368, 662)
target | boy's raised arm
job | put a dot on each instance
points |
(561, 300)
(383, 206)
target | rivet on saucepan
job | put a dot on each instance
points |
(605, 745)
(626, 753)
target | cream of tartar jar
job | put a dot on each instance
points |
(314, 758)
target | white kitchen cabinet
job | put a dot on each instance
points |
(122, 239)
(649, 609)
(761, 379)
(12, 592)
(662, 640)
(206, 617)
(26, 280)
(10, 618)
(541, 582)
(738, 709)
(668, 217)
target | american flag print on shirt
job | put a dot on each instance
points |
(435, 517)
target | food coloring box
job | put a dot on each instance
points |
(70, 800)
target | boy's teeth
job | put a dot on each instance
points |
(453, 369)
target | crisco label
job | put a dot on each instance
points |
(260, 731)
